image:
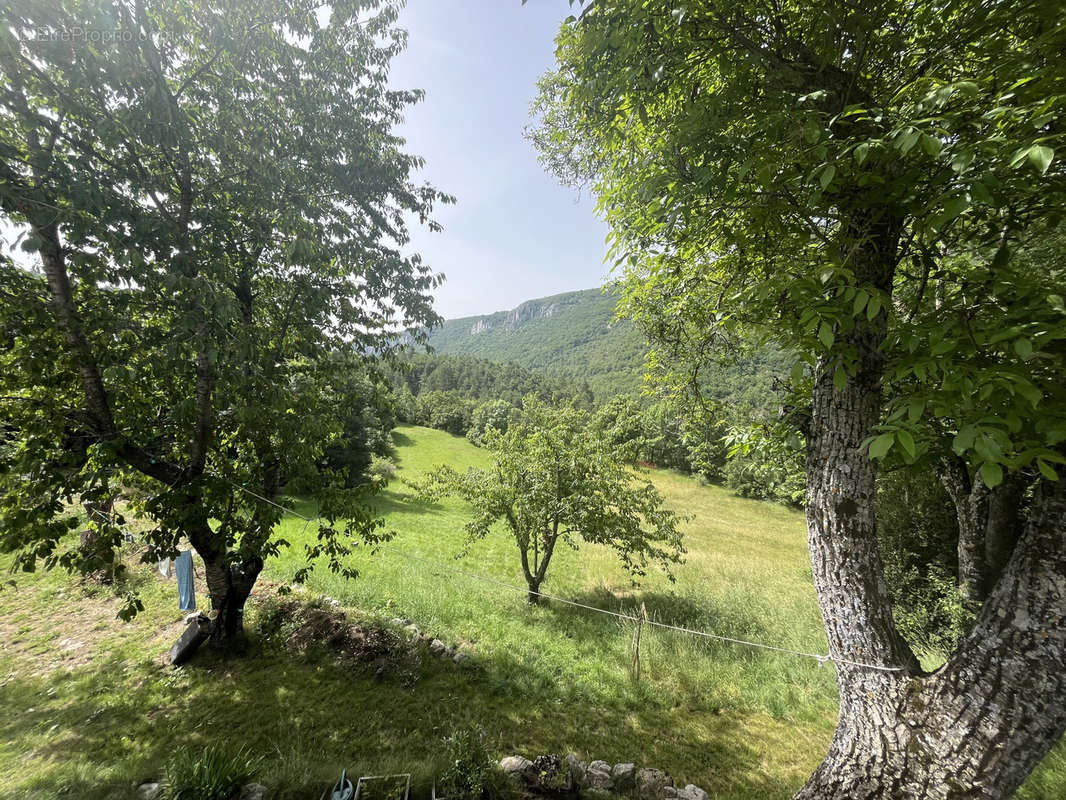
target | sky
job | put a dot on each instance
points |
(514, 233)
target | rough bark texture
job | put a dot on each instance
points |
(990, 522)
(978, 726)
(971, 500)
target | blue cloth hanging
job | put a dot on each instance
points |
(186, 591)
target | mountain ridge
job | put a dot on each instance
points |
(571, 335)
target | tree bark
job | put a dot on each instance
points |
(1004, 526)
(978, 726)
(229, 584)
(971, 501)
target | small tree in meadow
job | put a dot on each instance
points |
(555, 479)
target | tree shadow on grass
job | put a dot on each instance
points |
(98, 731)
(669, 608)
(400, 439)
(404, 500)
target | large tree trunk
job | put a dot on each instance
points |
(229, 584)
(978, 726)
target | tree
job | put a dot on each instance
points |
(218, 205)
(854, 182)
(554, 480)
(492, 414)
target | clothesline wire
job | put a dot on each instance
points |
(819, 657)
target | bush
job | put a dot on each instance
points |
(210, 773)
(918, 535)
(381, 470)
(761, 478)
(471, 773)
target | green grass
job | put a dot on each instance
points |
(741, 723)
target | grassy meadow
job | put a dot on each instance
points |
(90, 707)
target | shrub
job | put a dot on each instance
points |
(471, 773)
(381, 470)
(209, 773)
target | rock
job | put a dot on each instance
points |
(437, 647)
(549, 773)
(651, 782)
(669, 793)
(624, 777)
(692, 792)
(576, 768)
(396, 622)
(519, 770)
(414, 634)
(449, 651)
(254, 791)
(149, 791)
(598, 776)
(515, 765)
(459, 658)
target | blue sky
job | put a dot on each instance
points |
(514, 233)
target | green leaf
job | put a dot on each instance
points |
(1024, 348)
(991, 474)
(861, 299)
(825, 334)
(964, 439)
(827, 175)
(1041, 156)
(907, 441)
(915, 409)
(1047, 470)
(954, 207)
(873, 307)
(931, 145)
(907, 140)
(840, 378)
(880, 446)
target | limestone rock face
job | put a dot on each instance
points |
(149, 791)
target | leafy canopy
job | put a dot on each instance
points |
(740, 151)
(219, 190)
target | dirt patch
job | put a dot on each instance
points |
(305, 627)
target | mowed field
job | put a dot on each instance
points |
(90, 709)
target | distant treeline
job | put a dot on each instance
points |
(466, 396)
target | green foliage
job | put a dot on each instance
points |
(555, 479)
(496, 415)
(382, 470)
(471, 772)
(197, 286)
(208, 773)
(917, 535)
(743, 175)
(476, 379)
(369, 417)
